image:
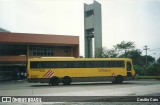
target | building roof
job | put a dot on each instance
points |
(26, 38)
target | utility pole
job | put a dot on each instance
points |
(146, 48)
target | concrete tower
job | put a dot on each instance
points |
(92, 28)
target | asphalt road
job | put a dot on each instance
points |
(136, 87)
(128, 88)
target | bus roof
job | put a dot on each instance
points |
(74, 59)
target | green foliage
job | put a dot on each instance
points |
(133, 53)
(129, 51)
(139, 69)
(100, 52)
(147, 77)
(111, 54)
(158, 60)
(104, 53)
(150, 59)
(125, 45)
(153, 70)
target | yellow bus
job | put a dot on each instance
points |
(67, 70)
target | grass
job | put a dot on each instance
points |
(147, 77)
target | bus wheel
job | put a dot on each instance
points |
(54, 81)
(66, 80)
(118, 79)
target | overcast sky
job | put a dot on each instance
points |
(128, 20)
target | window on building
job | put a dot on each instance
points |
(41, 51)
(89, 13)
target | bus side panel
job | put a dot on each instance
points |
(90, 72)
(77, 72)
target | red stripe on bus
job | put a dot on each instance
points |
(50, 75)
(46, 73)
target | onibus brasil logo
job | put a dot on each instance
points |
(21, 99)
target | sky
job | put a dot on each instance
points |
(122, 20)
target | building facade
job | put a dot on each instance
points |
(16, 48)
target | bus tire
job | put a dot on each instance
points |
(66, 80)
(118, 80)
(54, 81)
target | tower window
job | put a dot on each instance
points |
(89, 13)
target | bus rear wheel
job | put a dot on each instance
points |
(54, 81)
(118, 79)
(66, 80)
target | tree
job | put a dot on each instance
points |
(150, 59)
(135, 55)
(105, 53)
(153, 70)
(125, 46)
(139, 69)
(158, 60)
(138, 59)
(111, 53)
(100, 52)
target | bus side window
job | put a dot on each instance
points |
(128, 66)
(39, 65)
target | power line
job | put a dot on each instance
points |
(154, 49)
(157, 49)
(146, 49)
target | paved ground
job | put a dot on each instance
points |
(128, 88)
(138, 87)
